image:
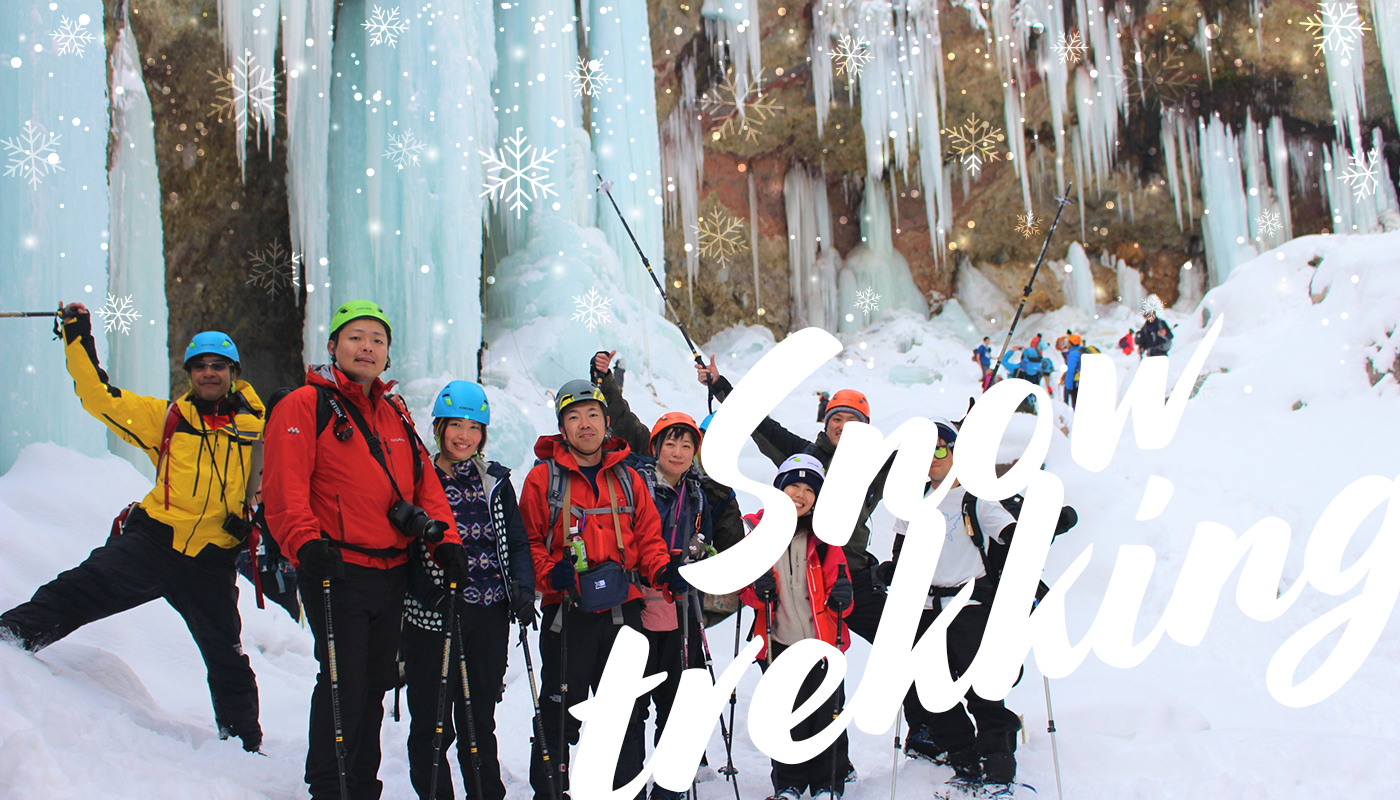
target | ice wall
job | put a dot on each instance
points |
(809, 232)
(51, 248)
(879, 269)
(1225, 220)
(1078, 280)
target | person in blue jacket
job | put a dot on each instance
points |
(1031, 366)
(500, 586)
(983, 356)
(1073, 353)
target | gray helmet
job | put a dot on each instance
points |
(577, 391)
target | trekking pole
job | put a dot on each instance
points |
(539, 718)
(1054, 746)
(728, 769)
(768, 632)
(335, 690)
(836, 697)
(564, 690)
(442, 687)
(894, 760)
(606, 188)
(685, 656)
(471, 713)
(24, 314)
(1026, 293)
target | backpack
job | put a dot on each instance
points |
(993, 552)
(1088, 348)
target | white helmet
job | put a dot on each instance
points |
(1152, 304)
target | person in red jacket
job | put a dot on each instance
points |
(346, 484)
(805, 596)
(594, 534)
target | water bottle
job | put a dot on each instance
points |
(580, 552)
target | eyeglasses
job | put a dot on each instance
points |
(943, 451)
(217, 366)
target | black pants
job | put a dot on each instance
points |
(487, 635)
(664, 655)
(366, 607)
(590, 638)
(814, 774)
(133, 569)
(951, 730)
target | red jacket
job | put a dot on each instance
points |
(643, 548)
(318, 483)
(821, 574)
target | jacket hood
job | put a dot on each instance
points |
(553, 448)
(330, 376)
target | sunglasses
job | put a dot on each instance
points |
(943, 451)
(217, 366)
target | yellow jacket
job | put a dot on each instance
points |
(204, 475)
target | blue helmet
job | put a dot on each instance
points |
(211, 343)
(463, 400)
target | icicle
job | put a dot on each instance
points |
(819, 54)
(1225, 220)
(733, 29)
(1078, 280)
(683, 163)
(1168, 139)
(1346, 83)
(754, 241)
(1386, 16)
(249, 30)
(1013, 79)
(1278, 173)
(1203, 46)
(809, 232)
(879, 268)
(1187, 148)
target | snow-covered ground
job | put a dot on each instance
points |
(120, 709)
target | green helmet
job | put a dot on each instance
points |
(360, 309)
(577, 391)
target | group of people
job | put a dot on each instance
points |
(412, 564)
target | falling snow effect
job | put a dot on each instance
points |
(385, 26)
(1070, 48)
(32, 154)
(1363, 175)
(720, 236)
(1337, 27)
(245, 93)
(850, 55)
(740, 116)
(1148, 78)
(274, 269)
(867, 301)
(522, 177)
(1026, 225)
(592, 309)
(975, 142)
(72, 36)
(1269, 223)
(403, 150)
(588, 78)
(119, 314)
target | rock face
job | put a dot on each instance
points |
(216, 221)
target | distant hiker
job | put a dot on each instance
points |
(348, 487)
(981, 749)
(1155, 337)
(804, 596)
(499, 588)
(180, 541)
(1062, 342)
(1030, 366)
(594, 538)
(1126, 343)
(1073, 353)
(1035, 342)
(983, 356)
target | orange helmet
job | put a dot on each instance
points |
(671, 419)
(1074, 339)
(848, 400)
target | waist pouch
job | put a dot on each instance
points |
(603, 587)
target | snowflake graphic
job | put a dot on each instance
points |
(1269, 223)
(867, 301)
(1151, 77)
(1363, 175)
(403, 150)
(592, 308)
(1027, 225)
(722, 104)
(720, 236)
(385, 26)
(72, 36)
(974, 142)
(245, 93)
(274, 269)
(510, 180)
(119, 313)
(589, 77)
(1069, 49)
(32, 154)
(1337, 27)
(850, 56)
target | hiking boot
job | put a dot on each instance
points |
(659, 793)
(920, 744)
(966, 765)
(851, 775)
(790, 793)
(825, 795)
(999, 768)
(252, 740)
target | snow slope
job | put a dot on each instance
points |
(120, 708)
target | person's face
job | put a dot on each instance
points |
(836, 423)
(361, 350)
(461, 438)
(938, 468)
(676, 454)
(584, 426)
(802, 497)
(211, 376)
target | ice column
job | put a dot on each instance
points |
(734, 33)
(250, 44)
(809, 232)
(879, 268)
(1386, 16)
(1130, 292)
(1078, 280)
(1346, 83)
(683, 164)
(1225, 220)
(1277, 150)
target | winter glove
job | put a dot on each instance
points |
(884, 574)
(318, 560)
(452, 557)
(522, 604)
(1068, 519)
(77, 322)
(600, 366)
(563, 578)
(766, 587)
(842, 594)
(670, 577)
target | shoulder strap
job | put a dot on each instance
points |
(557, 496)
(172, 421)
(323, 409)
(341, 408)
(420, 451)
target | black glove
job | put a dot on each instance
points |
(522, 604)
(884, 574)
(76, 324)
(1068, 519)
(766, 587)
(670, 577)
(452, 557)
(318, 560)
(563, 578)
(594, 376)
(842, 594)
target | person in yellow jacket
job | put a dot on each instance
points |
(181, 540)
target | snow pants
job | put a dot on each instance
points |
(366, 608)
(590, 638)
(135, 568)
(995, 725)
(486, 630)
(814, 774)
(664, 655)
